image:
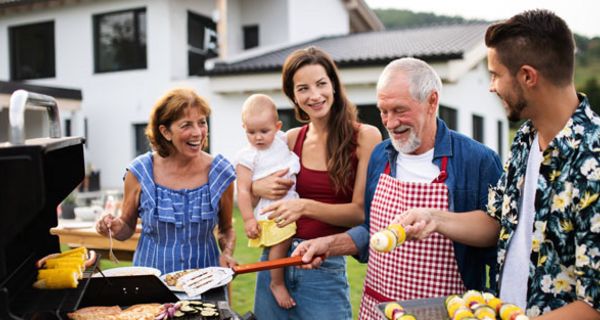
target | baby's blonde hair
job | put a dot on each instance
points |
(257, 104)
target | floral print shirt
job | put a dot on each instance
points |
(565, 257)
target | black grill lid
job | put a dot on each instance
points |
(35, 176)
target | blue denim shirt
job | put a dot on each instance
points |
(472, 168)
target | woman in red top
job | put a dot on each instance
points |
(334, 150)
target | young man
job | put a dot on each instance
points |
(544, 211)
(422, 164)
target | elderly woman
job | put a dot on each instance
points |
(179, 191)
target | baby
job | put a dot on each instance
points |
(267, 153)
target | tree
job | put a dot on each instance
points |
(399, 19)
(592, 90)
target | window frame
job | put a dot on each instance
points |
(288, 119)
(14, 44)
(500, 138)
(139, 129)
(247, 30)
(68, 132)
(197, 56)
(475, 120)
(452, 124)
(137, 32)
(367, 114)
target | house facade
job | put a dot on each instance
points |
(123, 55)
(456, 52)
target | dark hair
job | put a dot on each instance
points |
(169, 108)
(538, 38)
(342, 123)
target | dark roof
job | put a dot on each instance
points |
(16, 6)
(10, 87)
(11, 3)
(430, 43)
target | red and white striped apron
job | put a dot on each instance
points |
(416, 269)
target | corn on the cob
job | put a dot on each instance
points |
(66, 265)
(56, 279)
(77, 252)
(62, 270)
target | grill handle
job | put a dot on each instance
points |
(270, 264)
(16, 116)
(267, 265)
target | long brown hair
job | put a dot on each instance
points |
(342, 123)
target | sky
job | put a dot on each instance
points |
(582, 16)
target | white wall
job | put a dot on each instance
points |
(36, 124)
(105, 107)
(177, 32)
(235, 39)
(308, 18)
(273, 27)
(112, 101)
(272, 19)
(469, 95)
(227, 135)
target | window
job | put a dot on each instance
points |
(3, 124)
(120, 41)
(370, 114)
(449, 116)
(478, 128)
(85, 133)
(202, 42)
(68, 126)
(250, 37)
(141, 141)
(500, 138)
(32, 51)
(288, 119)
(207, 148)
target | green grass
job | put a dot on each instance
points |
(242, 295)
(104, 263)
(107, 264)
(511, 136)
(356, 275)
(243, 285)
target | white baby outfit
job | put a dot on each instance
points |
(263, 163)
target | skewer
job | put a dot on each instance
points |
(111, 254)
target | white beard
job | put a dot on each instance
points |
(410, 145)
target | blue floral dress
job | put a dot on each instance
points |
(564, 264)
(177, 225)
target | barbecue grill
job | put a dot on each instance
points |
(35, 176)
